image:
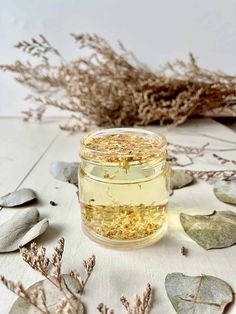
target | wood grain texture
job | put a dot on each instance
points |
(22, 145)
(117, 272)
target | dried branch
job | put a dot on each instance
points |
(190, 152)
(140, 304)
(37, 259)
(187, 150)
(223, 160)
(104, 309)
(51, 269)
(33, 298)
(38, 48)
(56, 260)
(88, 266)
(212, 175)
(110, 88)
(63, 306)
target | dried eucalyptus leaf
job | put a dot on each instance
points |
(179, 178)
(217, 230)
(225, 191)
(21, 229)
(17, 198)
(53, 296)
(65, 171)
(198, 294)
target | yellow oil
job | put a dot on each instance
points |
(124, 205)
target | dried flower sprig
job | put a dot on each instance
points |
(223, 160)
(213, 174)
(50, 268)
(63, 306)
(37, 259)
(35, 298)
(102, 308)
(88, 266)
(187, 150)
(110, 88)
(38, 47)
(190, 152)
(140, 304)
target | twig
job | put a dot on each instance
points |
(89, 265)
(32, 298)
(140, 304)
(102, 308)
(217, 138)
(38, 48)
(209, 175)
(37, 259)
(223, 160)
(191, 152)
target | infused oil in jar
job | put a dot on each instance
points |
(123, 187)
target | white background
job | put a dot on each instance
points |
(156, 31)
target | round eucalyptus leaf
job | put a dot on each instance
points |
(65, 171)
(217, 230)
(198, 294)
(20, 229)
(225, 191)
(179, 178)
(17, 198)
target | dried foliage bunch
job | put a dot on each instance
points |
(51, 269)
(113, 89)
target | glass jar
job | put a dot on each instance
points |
(124, 187)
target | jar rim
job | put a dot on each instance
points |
(158, 150)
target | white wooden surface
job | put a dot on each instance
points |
(26, 151)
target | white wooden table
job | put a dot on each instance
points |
(26, 151)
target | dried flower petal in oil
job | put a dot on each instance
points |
(123, 183)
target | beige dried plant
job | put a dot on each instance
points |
(112, 89)
(36, 298)
(140, 305)
(212, 175)
(50, 268)
(192, 152)
(223, 160)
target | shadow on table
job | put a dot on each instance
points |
(52, 234)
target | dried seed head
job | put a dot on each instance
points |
(36, 258)
(102, 308)
(184, 251)
(89, 264)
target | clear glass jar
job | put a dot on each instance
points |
(124, 187)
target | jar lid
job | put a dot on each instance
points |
(122, 145)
